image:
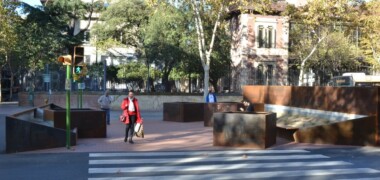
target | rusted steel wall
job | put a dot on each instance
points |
(242, 129)
(352, 100)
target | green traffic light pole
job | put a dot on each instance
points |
(80, 96)
(80, 88)
(68, 114)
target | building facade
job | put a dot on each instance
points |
(259, 48)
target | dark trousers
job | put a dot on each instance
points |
(130, 127)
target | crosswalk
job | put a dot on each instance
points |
(234, 164)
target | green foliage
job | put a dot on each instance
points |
(135, 73)
(163, 37)
(41, 38)
(314, 26)
(112, 74)
(370, 31)
(122, 23)
(220, 59)
(68, 11)
(337, 54)
(8, 22)
(159, 34)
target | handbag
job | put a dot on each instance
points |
(122, 118)
(139, 130)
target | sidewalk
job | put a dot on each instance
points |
(159, 136)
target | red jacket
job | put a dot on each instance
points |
(124, 107)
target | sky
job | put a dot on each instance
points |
(33, 2)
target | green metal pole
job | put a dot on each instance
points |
(68, 114)
(78, 97)
(81, 98)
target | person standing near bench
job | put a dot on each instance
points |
(131, 110)
(105, 104)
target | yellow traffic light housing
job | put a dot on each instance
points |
(78, 60)
(65, 59)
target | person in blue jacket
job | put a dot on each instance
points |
(211, 97)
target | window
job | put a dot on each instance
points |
(87, 59)
(266, 37)
(270, 37)
(86, 37)
(261, 36)
(265, 74)
(260, 75)
(269, 74)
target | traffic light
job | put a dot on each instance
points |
(65, 59)
(78, 69)
(78, 60)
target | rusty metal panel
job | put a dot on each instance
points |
(23, 136)
(211, 108)
(360, 132)
(90, 123)
(352, 100)
(241, 129)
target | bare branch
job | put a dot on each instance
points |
(89, 17)
(217, 22)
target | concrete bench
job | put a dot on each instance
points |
(338, 128)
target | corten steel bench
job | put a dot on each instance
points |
(196, 111)
(242, 129)
(45, 127)
(27, 131)
(90, 123)
(341, 128)
(353, 112)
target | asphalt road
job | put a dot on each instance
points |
(318, 164)
(43, 166)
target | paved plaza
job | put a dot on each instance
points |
(172, 150)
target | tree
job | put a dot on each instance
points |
(122, 24)
(335, 55)
(41, 40)
(112, 74)
(134, 74)
(8, 39)
(157, 34)
(370, 32)
(215, 10)
(70, 13)
(221, 58)
(316, 20)
(165, 39)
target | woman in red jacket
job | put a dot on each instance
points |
(131, 110)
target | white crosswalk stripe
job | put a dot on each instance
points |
(240, 164)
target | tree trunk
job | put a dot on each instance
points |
(165, 81)
(204, 51)
(206, 80)
(303, 63)
(189, 82)
(1, 72)
(12, 77)
(300, 78)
